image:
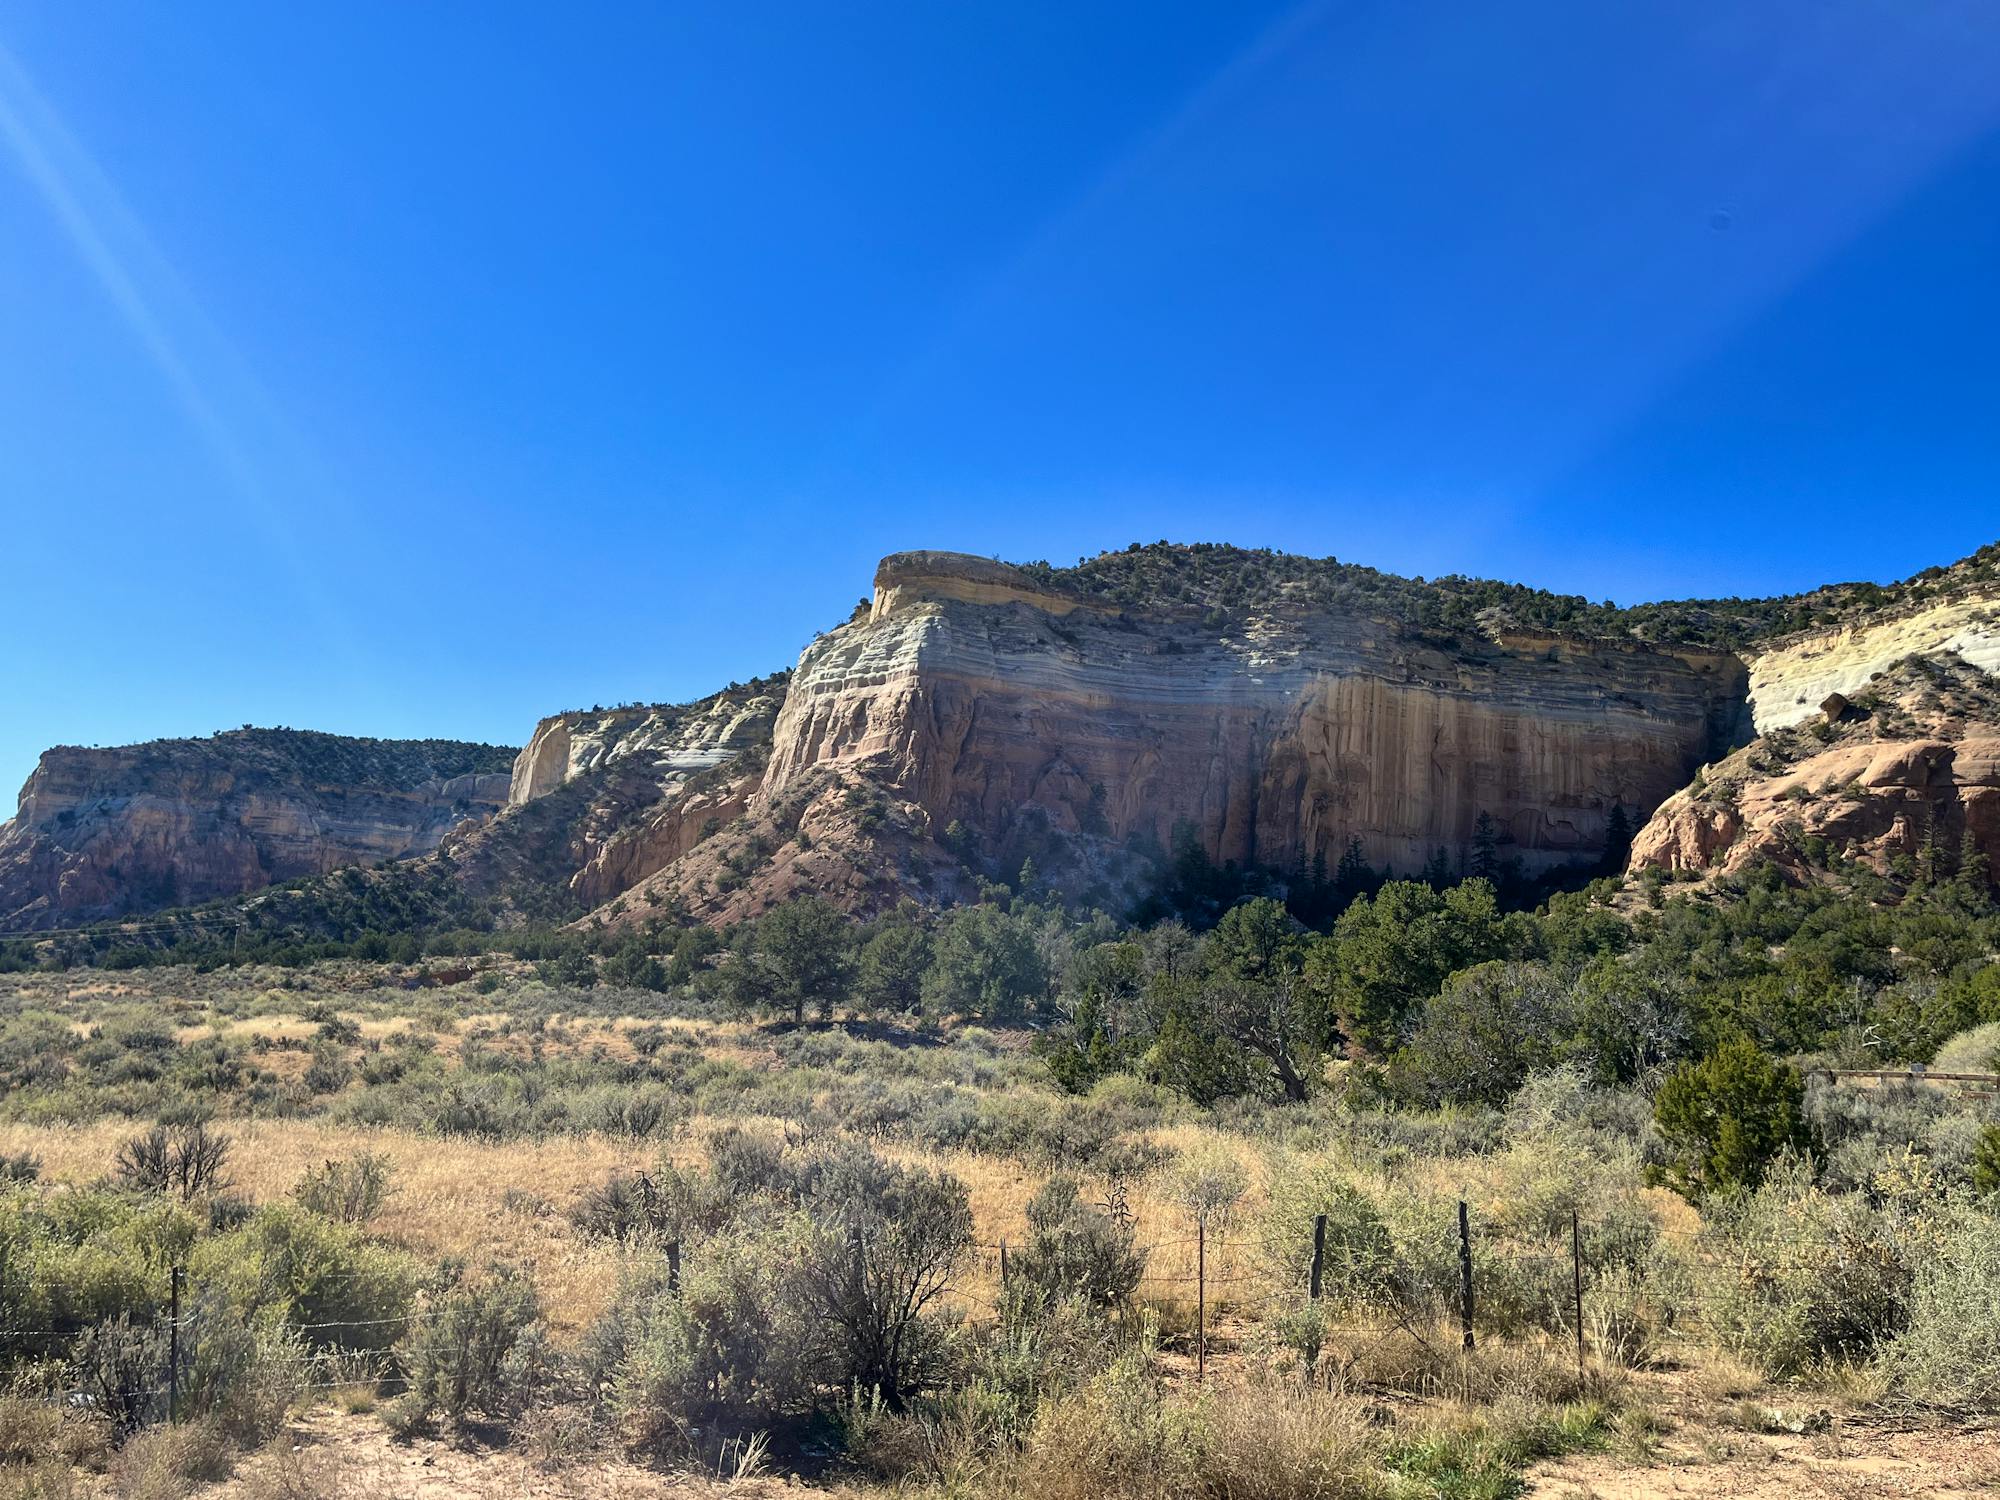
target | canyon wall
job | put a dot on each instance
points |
(1878, 746)
(109, 832)
(1790, 681)
(676, 738)
(1276, 734)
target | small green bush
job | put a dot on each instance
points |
(480, 1350)
(1725, 1118)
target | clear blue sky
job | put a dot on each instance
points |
(421, 369)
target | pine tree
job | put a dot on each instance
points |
(1485, 848)
(1617, 839)
(1972, 873)
(1352, 875)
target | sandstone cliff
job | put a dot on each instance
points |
(103, 833)
(1276, 734)
(600, 799)
(1020, 711)
(1881, 748)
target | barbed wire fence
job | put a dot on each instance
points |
(1221, 1266)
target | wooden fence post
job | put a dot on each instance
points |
(1464, 1274)
(1003, 1263)
(673, 1265)
(1319, 1254)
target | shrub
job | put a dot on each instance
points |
(183, 1160)
(481, 1349)
(1207, 1182)
(347, 1192)
(885, 1242)
(237, 1376)
(1985, 1164)
(1974, 1051)
(733, 1344)
(1075, 1250)
(1723, 1119)
(167, 1462)
(120, 1367)
(324, 1278)
(1360, 1260)
(1805, 1275)
(1950, 1351)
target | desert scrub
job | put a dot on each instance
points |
(1950, 1350)
(478, 1349)
(1793, 1274)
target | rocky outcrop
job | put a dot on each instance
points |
(105, 833)
(1277, 733)
(600, 799)
(1897, 771)
(677, 739)
(1790, 682)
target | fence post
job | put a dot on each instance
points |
(1200, 1299)
(1576, 1274)
(673, 1265)
(174, 1347)
(1464, 1274)
(1319, 1253)
(1003, 1262)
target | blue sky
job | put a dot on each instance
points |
(410, 370)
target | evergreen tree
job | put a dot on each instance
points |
(1618, 832)
(1353, 876)
(1724, 1119)
(1485, 848)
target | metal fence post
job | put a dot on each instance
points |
(174, 1347)
(1464, 1274)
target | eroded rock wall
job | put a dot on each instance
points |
(1277, 736)
(110, 832)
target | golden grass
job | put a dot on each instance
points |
(450, 1195)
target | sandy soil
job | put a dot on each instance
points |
(1850, 1458)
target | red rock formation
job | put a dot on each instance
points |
(104, 833)
(979, 695)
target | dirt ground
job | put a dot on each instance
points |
(336, 1456)
(1849, 1457)
(332, 1454)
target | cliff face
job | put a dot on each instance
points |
(1880, 746)
(1789, 682)
(599, 799)
(1276, 733)
(673, 738)
(103, 833)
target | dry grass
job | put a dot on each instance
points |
(450, 1196)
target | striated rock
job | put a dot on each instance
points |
(982, 696)
(675, 738)
(1904, 774)
(600, 799)
(1791, 681)
(103, 833)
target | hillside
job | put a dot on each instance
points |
(107, 832)
(1274, 712)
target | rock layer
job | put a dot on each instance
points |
(1898, 769)
(1276, 735)
(104, 833)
